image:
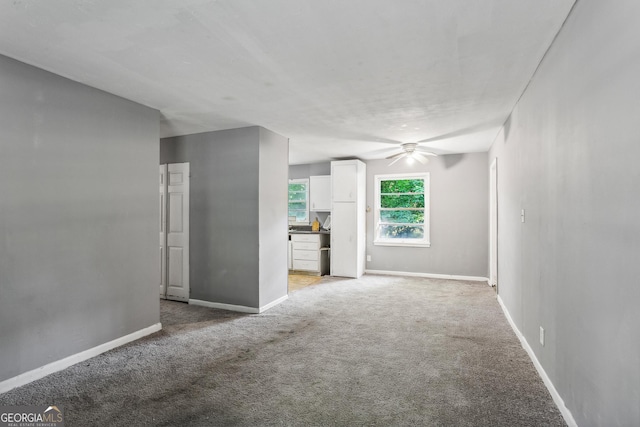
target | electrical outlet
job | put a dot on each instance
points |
(368, 258)
(542, 336)
(522, 215)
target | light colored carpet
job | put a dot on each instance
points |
(381, 351)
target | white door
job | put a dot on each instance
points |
(176, 228)
(493, 224)
(344, 240)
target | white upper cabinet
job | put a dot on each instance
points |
(344, 185)
(320, 193)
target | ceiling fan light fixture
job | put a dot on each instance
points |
(411, 151)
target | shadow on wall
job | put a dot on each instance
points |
(450, 160)
(167, 151)
(507, 129)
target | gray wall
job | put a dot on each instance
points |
(273, 210)
(78, 217)
(307, 170)
(458, 218)
(225, 210)
(569, 157)
(223, 246)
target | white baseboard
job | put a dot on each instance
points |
(61, 364)
(427, 275)
(566, 413)
(273, 303)
(222, 306)
(238, 308)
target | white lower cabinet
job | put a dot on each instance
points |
(309, 252)
(344, 239)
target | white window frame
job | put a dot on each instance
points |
(300, 181)
(425, 241)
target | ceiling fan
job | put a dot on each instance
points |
(411, 150)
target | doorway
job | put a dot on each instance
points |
(174, 231)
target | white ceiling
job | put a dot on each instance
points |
(340, 78)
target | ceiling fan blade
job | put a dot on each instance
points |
(401, 156)
(425, 152)
(396, 155)
(420, 158)
(466, 131)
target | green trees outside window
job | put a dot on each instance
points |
(299, 200)
(401, 208)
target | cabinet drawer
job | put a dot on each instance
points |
(306, 238)
(307, 246)
(306, 255)
(299, 264)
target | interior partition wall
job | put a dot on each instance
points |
(78, 224)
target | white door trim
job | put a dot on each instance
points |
(163, 234)
(493, 223)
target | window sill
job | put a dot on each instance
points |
(402, 244)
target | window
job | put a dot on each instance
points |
(298, 201)
(402, 210)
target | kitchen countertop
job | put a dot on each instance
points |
(309, 232)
